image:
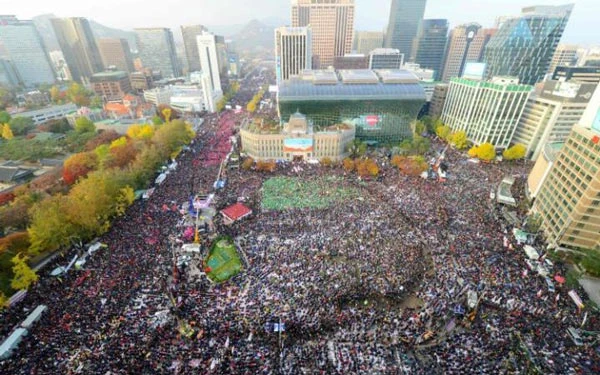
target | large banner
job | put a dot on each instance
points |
(298, 145)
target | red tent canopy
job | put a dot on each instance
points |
(236, 212)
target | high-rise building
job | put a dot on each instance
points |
(190, 43)
(466, 43)
(157, 50)
(115, 53)
(486, 111)
(523, 47)
(438, 99)
(405, 19)
(429, 46)
(79, 47)
(209, 60)
(332, 24)
(293, 51)
(584, 74)
(565, 55)
(111, 86)
(569, 198)
(550, 113)
(367, 41)
(8, 73)
(25, 49)
(385, 58)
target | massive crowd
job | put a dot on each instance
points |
(369, 286)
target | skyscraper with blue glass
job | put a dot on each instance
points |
(405, 19)
(524, 46)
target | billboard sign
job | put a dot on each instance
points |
(474, 70)
(367, 122)
(297, 145)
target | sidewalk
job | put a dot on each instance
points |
(592, 287)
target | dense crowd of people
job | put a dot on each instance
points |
(375, 285)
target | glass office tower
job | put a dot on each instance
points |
(524, 46)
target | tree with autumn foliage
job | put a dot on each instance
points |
(79, 165)
(443, 132)
(103, 137)
(266, 166)
(24, 276)
(515, 152)
(122, 152)
(143, 132)
(485, 152)
(7, 132)
(348, 164)
(459, 140)
(248, 163)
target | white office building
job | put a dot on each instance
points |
(550, 114)
(209, 60)
(488, 111)
(293, 51)
(158, 96)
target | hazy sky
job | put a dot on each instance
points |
(370, 14)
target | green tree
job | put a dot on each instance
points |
(84, 125)
(4, 117)
(7, 132)
(156, 120)
(24, 276)
(459, 140)
(515, 152)
(356, 149)
(3, 301)
(21, 125)
(419, 127)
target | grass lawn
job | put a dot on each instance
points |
(283, 193)
(223, 260)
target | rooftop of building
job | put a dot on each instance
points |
(109, 76)
(385, 51)
(498, 84)
(360, 84)
(551, 150)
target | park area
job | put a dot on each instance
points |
(223, 261)
(284, 193)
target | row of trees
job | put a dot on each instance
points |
(233, 89)
(102, 183)
(74, 93)
(252, 104)
(485, 151)
(364, 167)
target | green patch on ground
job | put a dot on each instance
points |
(283, 193)
(223, 260)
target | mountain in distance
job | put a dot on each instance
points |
(101, 31)
(255, 35)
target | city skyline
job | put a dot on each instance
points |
(370, 15)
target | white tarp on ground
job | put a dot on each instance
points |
(160, 179)
(34, 316)
(12, 342)
(531, 252)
